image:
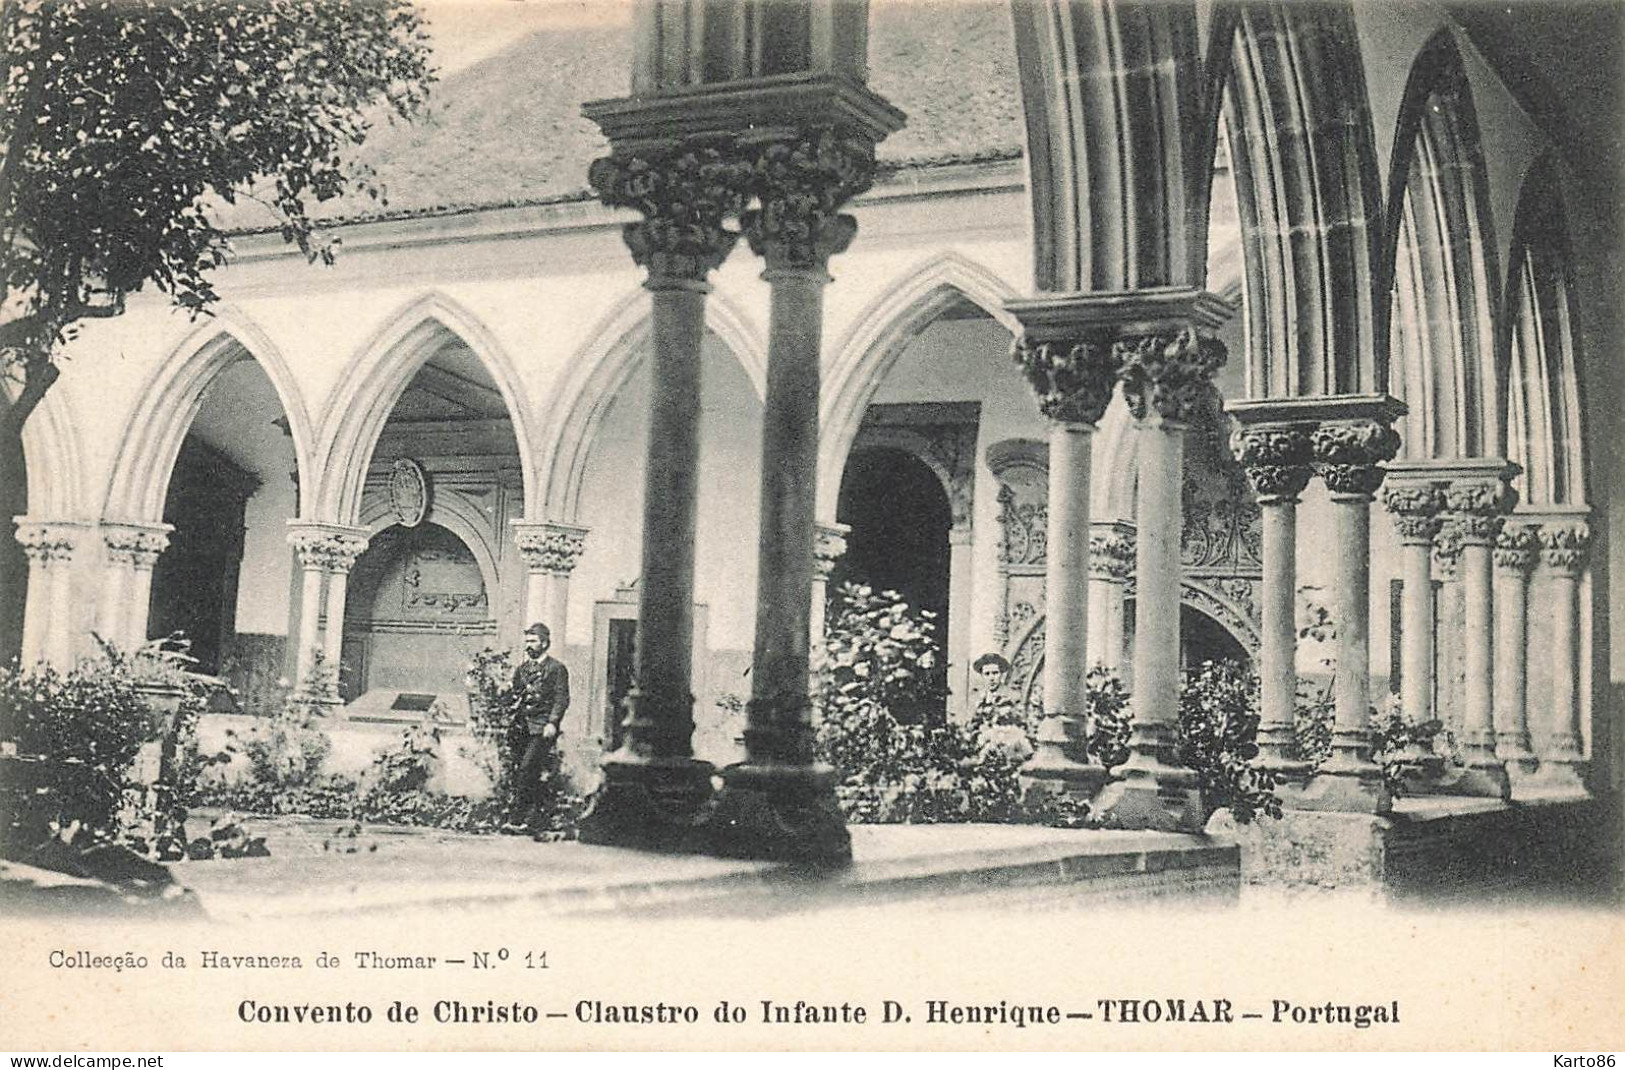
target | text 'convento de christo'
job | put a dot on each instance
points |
(931, 1012)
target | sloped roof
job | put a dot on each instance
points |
(507, 129)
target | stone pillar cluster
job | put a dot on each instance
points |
(1075, 351)
(132, 554)
(1346, 441)
(550, 552)
(1471, 585)
(48, 625)
(775, 163)
(326, 552)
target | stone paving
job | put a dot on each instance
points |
(322, 868)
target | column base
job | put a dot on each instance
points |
(1481, 779)
(779, 813)
(1356, 789)
(1554, 780)
(652, 804)
(1288, 771)
(1152, 797)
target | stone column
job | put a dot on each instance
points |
(780, 802)
(1560, 740)
(829, 546)
(1516, 548)
(1416, 507)
(326, 553)
(132, 554)
(654, 791)
(961, 540)
(1111, 564)
(1071, 364)
(1277, 459)
(341, 558)
(1349, 454)
(550, 551)
(1477, 507)
(48, 617)
(1167, 376)
(1448, 679)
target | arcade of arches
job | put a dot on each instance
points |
(1298, 316)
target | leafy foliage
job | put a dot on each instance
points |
(1110, 720)
(1218, 739)
(120, 118)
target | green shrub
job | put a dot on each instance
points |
(1218, 740)
(1110, 720)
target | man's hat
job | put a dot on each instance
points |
(541, 632)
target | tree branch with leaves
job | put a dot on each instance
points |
(125, 124)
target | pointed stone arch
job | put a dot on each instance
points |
(1540, 349)
(174, 393)
(376, 378)
(879, 335)
(1309, 195)
(1439, 284)
(596, 375)
(52, 461)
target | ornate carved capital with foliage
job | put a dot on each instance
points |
(686, 194)
(1073, 380)
(1564, 546)
(1278, 460)
(1516, 548)
(829, 546)
(137, 547)
(47, 543)
(1349, 456)
(552, 548)
(800, 182)
(1169, 373)
(1417, 509)
(1111, 557)
(1479, 507)
(328, 551)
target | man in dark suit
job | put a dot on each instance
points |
(541, 691)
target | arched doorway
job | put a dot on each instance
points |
(441, 576)
(223, 582)
(900, 517)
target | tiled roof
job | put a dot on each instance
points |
(507, 129)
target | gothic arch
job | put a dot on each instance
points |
(375, 380)
(879, 335)
(457, 516)
(598, 373)
(1437, 292)
(1309, 195)
(171, 399)
(1540, 349)
(51, 459)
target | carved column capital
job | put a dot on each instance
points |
(1111, 556)
(47, 542)
(1418, 509)
(328, 547)
(1564, 546)
(550, 548)
(801, 179)
(1168, 373)
(829, 546)
(1278, 460)
(136, 545)
(686, 193)
(1073, 379)
(1479, 507)
(1517, 547)
(1349, 455)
